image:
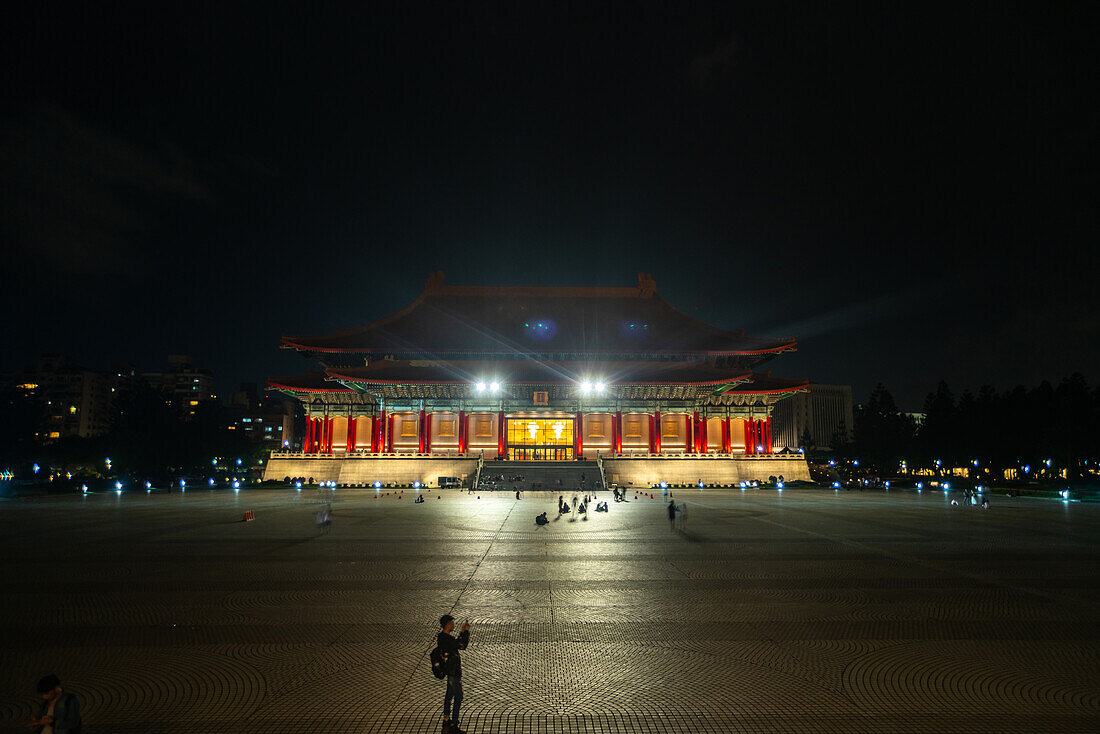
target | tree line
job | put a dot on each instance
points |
(1000, 430)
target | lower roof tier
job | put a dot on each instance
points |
(558, 384)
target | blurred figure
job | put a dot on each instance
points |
(59, 712)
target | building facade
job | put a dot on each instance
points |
(822, 414)
(75, 402)
(185, 387)
(523, 374)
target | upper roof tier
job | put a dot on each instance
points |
(497, 320)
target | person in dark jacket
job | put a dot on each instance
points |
(671, 513)
(450, 647)
(59, 712)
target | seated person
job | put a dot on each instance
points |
(419, 498)
(541, 519)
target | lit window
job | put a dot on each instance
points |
(194, 402)
(72, 410)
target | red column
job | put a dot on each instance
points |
(428, 433)
(330, 425)
(651, 433)
(578, 435)
(657, 433)
(617, 431)
(318, 430)
(420, 433)
(750, 443)
(500, 433)
(307, 437)
(768, 435)
(704, 446)
(322, 436)
(462, 431)
(692, 442)
(351, 433)
(389, 433)
(726, 435)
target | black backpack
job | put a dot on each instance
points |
(439, 663)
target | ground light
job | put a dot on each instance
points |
(836, 485)
(779, 486)
(664, 485)
(1065, 494)
(378, 485)
(183, 484)
(84, 488)
(211, 482)
(236, 484)
(701, 485)
(297, 485)
(416, 485)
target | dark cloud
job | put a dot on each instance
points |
(711, 70)
(80, 199)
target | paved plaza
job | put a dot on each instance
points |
(801, 611)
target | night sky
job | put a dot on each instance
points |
(908, 189)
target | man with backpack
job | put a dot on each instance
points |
(446, 653)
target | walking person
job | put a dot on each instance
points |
(449, 645)
(681, 515)
(671, 514)
(59, 712)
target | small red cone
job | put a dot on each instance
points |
(439, 498)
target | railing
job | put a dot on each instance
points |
(369, 455)
(706, 457)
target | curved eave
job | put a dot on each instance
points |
(776, 391)
(786, 347)
(292, 388)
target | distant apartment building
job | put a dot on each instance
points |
(74, 401)
(823, 414)
(260, 417)
(185, 387)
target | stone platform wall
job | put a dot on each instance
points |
(370, 469)
(645, 472)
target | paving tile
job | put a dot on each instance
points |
(810, 611)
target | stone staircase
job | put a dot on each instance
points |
(550, 476)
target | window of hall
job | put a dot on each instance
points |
(483, 427)
(632, 428)
(408, 427)
(447, 427)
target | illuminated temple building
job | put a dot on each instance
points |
(469, 380)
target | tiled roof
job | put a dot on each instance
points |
(449, 319)
(532, 372)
